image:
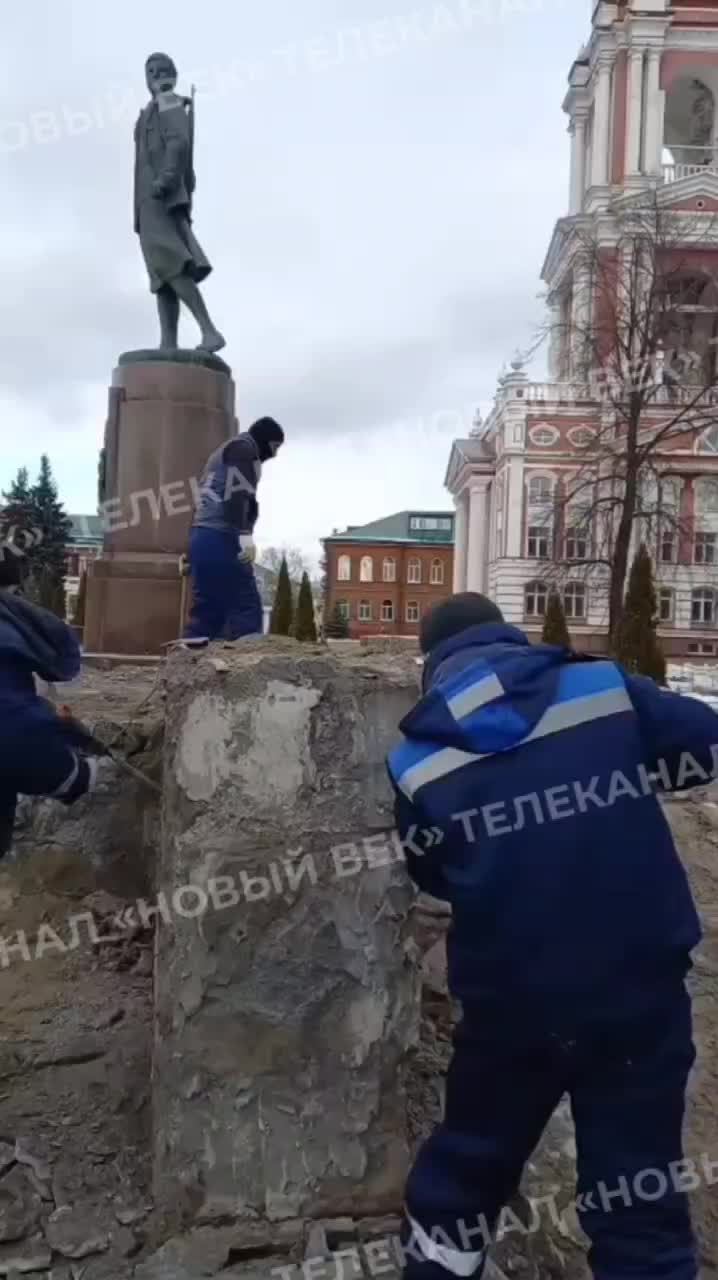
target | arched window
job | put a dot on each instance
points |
(412, 611)
(535, 597)
(366, 569)
(365, 610)
(688, 128)
(437, 573)
(387, 611)
(414, 570)
(574, 600)
(540, 489)
(703, 609)
(344, 569)
(389, 573)
(343, 609)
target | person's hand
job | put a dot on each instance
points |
(158, 188)
(247, 549)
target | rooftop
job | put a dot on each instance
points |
(403, 526)
(86, 528)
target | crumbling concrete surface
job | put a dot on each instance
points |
(271, 1089)
(115, 830)
(286, 1010)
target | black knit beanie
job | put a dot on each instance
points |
(467, 609)
(265, 432)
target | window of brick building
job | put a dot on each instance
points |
(537, 542)
(576, 543)
(667, 547)
(344, 569)
(414, 570)
(665, 604)
(412, 611)
(387, 611)
(431, 522)
(366, 569)
(703, 610)
(540, 489)
(365, 611)
(437, 573)
(704, 548)
(535, 597)
(389, 573)
(343, 609)
(574, 600)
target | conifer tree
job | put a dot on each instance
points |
(635, 643)
(52, 527)
(280, 623)
(555, 630)
(305, 627)
(17, 537)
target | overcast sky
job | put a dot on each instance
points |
(377, 186)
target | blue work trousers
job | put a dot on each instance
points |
(225, 596)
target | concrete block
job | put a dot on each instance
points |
(284, 1014)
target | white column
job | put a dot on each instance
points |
(635, 97)
(579, 172)
(515, 507)
(578, 162)
(556, 340)
(460, 543)
(601, 122)
(653, 142)
(580, 317)
(478, 550)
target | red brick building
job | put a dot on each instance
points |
(387, 574)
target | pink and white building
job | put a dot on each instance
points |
(643, 115)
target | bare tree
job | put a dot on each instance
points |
(271, 558)
(642, 345)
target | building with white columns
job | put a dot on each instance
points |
(643, 118)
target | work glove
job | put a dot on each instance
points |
(247, 549)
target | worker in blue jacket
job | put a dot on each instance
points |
(38, 752)
(571, 938)
(225, 596)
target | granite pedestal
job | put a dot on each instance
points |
(167, 412)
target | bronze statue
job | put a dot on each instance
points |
(164, 186)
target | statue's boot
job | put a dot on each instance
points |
(212, 342)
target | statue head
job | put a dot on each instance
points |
(160, 73)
